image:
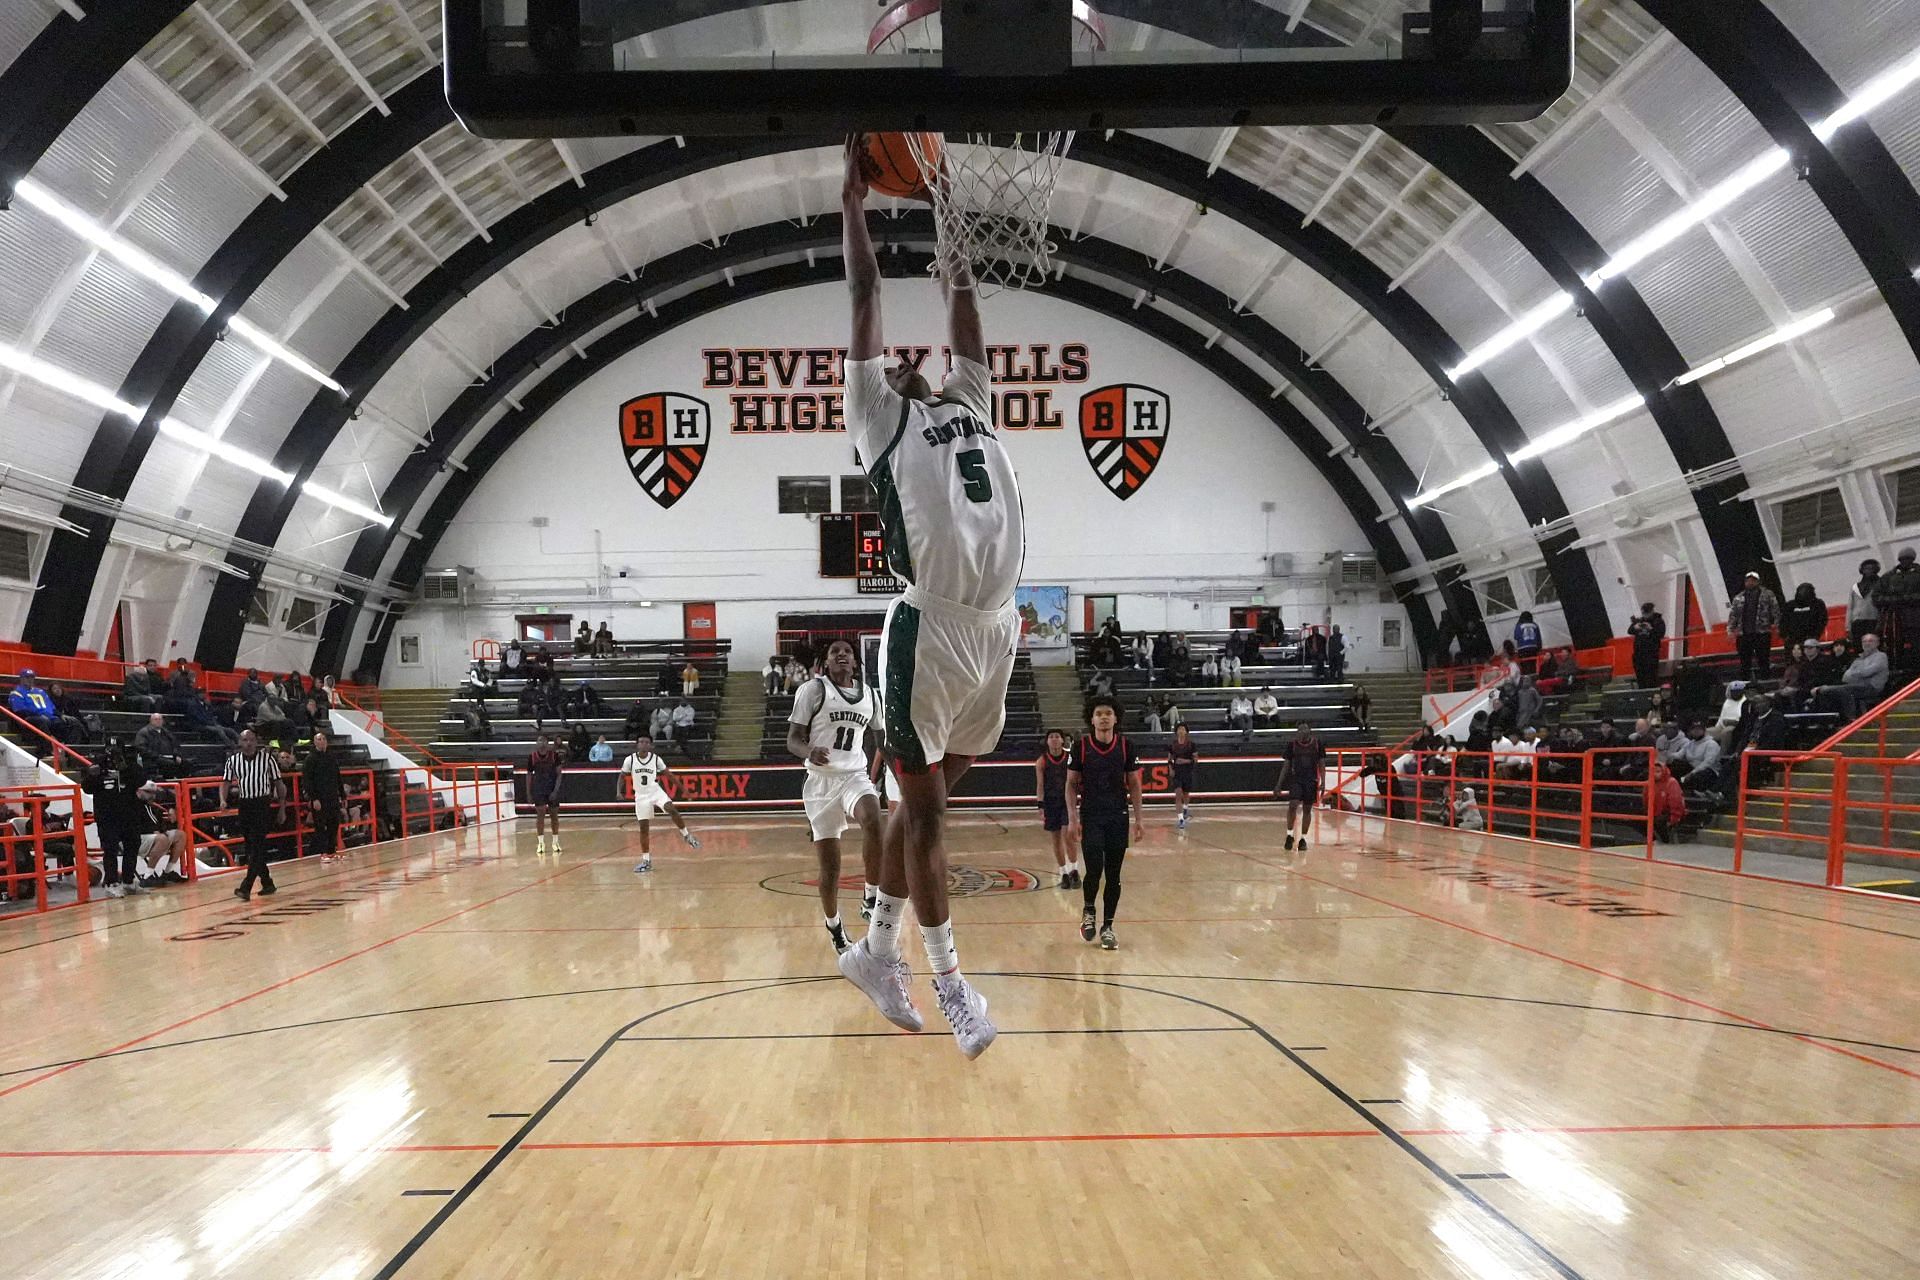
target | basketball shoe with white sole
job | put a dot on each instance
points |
(885, 982)
(966, 1011)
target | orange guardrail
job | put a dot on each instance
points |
(1875, 716)
(60, 749)
(41, 853)
(391, 734)
(459, 793)
(359, 812)
(1838, 816)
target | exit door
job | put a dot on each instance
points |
(698, 624)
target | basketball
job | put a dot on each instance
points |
(889, 166)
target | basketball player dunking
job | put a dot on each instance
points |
(954, 530)
(834, 717)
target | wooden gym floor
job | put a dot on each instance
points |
(1404, 1053)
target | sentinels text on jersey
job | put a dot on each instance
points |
(837, 720)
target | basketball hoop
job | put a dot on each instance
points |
(992, 194)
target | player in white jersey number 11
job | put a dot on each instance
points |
(642, 771)
(949, 504)
(836, 718)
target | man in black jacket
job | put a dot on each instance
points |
(1803, 618)
(119, 815)
(1648, 631)
(320, 788)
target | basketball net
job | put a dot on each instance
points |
(992, 194)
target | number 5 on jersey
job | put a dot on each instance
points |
(978, 484)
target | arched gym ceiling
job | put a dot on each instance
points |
(295, 162)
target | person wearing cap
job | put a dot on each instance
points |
(1735, 709)
(1752, 615)
(31, 703)
(1897, 597)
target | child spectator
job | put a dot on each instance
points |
(689, 679)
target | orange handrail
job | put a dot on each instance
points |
(1879, 711)
(390, 733)
(37, 838)
(59, 748)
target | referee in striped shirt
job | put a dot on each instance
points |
(250, 779)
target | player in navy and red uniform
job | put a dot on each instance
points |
(1103, 786)
(1050, 794)
(1182, 756)
(543, 789)
(1300, 774)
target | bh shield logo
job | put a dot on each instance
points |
(665, 438)
(1124, 431)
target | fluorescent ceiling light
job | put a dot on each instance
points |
(219, 448)
(1754, 348)
(1875, 93)
(344, 503)
(143, 264)
(38, 370)
(1674, 225)
(1480, 472)
(1522, 328)
(1574, 430)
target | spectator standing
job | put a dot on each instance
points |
(601, 752)
(1336, 654)
(1864, 683)
(1803, 618)
(321, 790)
(689, 679)
(141, 687)
(1752, 615)
(249, 781)
(1648, 630)
(1526, 641)
(119, 816)
(1527, 702)
(1897, 597)
(1315, 646)
(1862, 614)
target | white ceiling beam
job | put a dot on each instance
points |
(1221, 146)
(1437, 246)
(1266, 280)
(325, 37)
(446, 189)
(573, 165)
(1296, 11)
(192, 119)
(1607, 92)
(1394, 205)
(1356, 322)
(1341, 179)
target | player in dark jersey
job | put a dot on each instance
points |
(1182, 756)
(1050, 794)
(1300, 774)
(1103, 786)
(543, 789)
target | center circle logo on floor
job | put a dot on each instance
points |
(962, 882)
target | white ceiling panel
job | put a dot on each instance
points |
(1699, 298)
(1607, 185)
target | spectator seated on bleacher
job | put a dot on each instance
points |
(1500, 715)
(184, 699)
(1608, 749)
(1230, 670)
(1513, 757)
(16, 858)
(585, 700)
(774, 678)
(35, 706)
(1360, 707)
(660, 724)
(603, 644)
(683, 717)
(1567, 747)
(141, 688)
(512, 658)
(579, 741)
(1661, 711)
(481, 677)
(1558, 673)
(1210, 672)
(689, 679)
(1734, 713)
(1696, 760)
(1266, 709)
(540, 662)
(636, 722)
(1806, 670)
(159, 749)
(1669, 805)
(601, 752)
(163, 849)
(583, 639)
(1861, 687)
(251, 690)
(1162, 715)
(474, 717)
(270, 719)
(1240, 716)
(1179, 660)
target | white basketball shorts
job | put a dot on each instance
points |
(830, 797)
(943, 677)
(645, 803)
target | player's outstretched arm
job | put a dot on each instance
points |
(964, 332)
(863, 266)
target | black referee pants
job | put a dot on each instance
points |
(256, 819)
(1103, 847)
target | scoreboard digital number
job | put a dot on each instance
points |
(853, 545)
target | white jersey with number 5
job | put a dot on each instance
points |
(836, 721)
(949, 501)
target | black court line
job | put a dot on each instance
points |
(508, 1115)
(1308, 1048)
(429, 1192)
(1379, 1102)
(566, 1060)
(1168, 977)
(889, 1035)
(520, 1135)
(1455, 1183)
(1483, 1177)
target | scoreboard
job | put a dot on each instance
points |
(853, 545)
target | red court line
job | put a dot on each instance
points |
(1062, 923)
(1582, 965)
(966, 1139)
(284, 982)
